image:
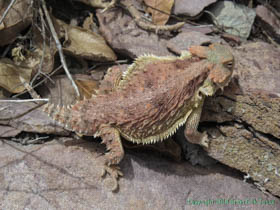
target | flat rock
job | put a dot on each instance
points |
(235, 19)
(190, 8)
(269, 21)
(125, 37)
(64, 174)
(35, 121)
(186, 39)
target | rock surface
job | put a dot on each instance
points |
(127, 38)
(186, 39)
(245, 135)
(64, 174)
(269, 21)
(34, 121)
(190, 8)
(235, 19)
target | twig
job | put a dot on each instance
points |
(44, 48)
(36, 98)
(145, 25)
(26, 100)
(271, 39)
(174, 16)
(109, 6)
(273, 10)
(39, 83)
(59, 47)
(7, 10)
(199, 26)
(27, 140)
(6, 50)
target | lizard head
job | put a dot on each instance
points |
(220, 62)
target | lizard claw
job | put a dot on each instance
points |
(204, 140)
(114, 172)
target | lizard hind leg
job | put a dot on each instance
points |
(111, 137)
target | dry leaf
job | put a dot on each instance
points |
(2, 26)
(190, 8)
(17, 19)
(126, 37)
(10, 76)
(63, 93)
(4, 93)
(32, 59)
(86, 44)
(236, 19)
(87, 87)
(161, 13)
(89, 24)
(95, 3)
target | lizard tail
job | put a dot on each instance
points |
(70, 117)
(60, 114)
(66, 116)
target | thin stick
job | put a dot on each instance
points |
(145, 25)
(110, 5)
(44, 48)
(59, 47)
(26, 100)
(7, 10)
(271, 39)
(273, 10)
(39, 83)
(27, 140)
(174, 16)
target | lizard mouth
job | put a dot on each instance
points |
(207, 89)
(224, 83)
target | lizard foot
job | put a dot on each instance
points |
(198, 138)
(114, 172)
(111, 137)
(204, 141)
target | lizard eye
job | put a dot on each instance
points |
(229, 65)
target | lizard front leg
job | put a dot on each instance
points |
(191, 132)
(111, 80)
(111, 137)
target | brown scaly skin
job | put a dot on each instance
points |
(150, 101)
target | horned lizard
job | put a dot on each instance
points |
(150, 100)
